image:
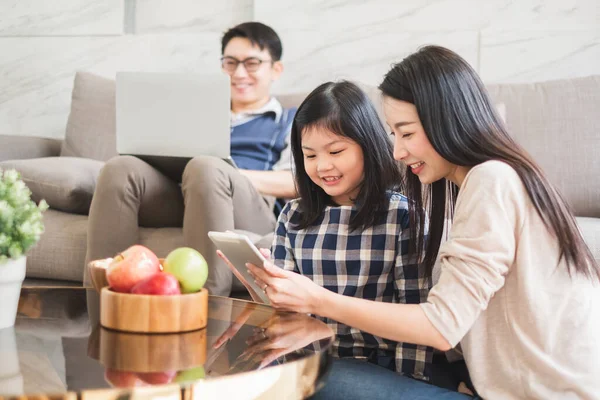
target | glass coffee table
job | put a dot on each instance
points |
(247, 351)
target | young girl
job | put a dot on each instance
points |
(518, 286)
(348, 230)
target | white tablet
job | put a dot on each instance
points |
(240, 250)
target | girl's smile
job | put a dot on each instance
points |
(331, 180)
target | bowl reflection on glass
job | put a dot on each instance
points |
(138, 352)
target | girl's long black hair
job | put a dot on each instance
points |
(464, 128)
(345, 110)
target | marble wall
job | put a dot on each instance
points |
(43, 43)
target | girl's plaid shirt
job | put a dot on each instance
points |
(371, 264)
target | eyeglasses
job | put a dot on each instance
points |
(251, 64)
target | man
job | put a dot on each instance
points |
(213, 195)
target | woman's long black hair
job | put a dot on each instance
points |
(464, 128)
(345, 110)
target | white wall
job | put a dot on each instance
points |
(43, 43)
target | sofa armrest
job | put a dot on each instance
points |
(14, 147)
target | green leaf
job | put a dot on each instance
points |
(21, 222)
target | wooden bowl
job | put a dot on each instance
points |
(97, 270)
(138, 352)
(153, 313)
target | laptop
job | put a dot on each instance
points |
(167, 118)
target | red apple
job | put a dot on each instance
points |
(157, 378)
(123, 379)
(159, 283)
(130, 267)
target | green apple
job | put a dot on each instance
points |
(189, 267)
(192, 374)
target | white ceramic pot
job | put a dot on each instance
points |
(12, 274)
(11, 379)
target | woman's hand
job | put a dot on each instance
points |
(283, 334)
(288, 290)
(235, 325)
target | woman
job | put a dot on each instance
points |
(518, 287)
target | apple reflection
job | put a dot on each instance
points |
(127, 379)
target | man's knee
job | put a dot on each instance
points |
(206, 170)
(120, 172)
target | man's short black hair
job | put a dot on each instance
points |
(258, 34)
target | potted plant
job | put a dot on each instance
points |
(20, 228)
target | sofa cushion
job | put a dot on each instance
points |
(91, 127)
(60, 253)
(66, 183)
(557, 123)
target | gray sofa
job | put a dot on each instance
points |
(557, 122)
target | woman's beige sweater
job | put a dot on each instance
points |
(527, 329)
